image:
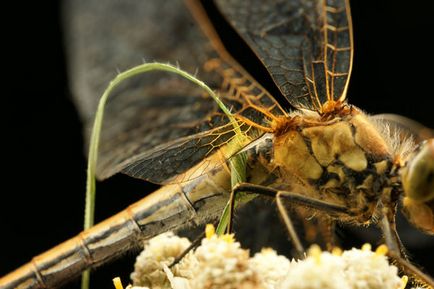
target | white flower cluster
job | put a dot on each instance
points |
(220, 263)
(159, 251)
(353, 269)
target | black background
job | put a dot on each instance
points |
(43, 176)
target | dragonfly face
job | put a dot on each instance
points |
(306, 47)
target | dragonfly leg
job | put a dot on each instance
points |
(412, 270)
(193, 245)
(298, 199)
(289, 225)
(396, 248)
(231, 210)
(391, 237)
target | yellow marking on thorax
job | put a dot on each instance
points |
(319, 144)
(354, 159)
(292, 154)
(336, 140)
(381, 167)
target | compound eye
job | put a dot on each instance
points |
(418, 182)
(418, 176)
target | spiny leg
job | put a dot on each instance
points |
(196, 242)
(396, 248)
(192, 246)
(231, 211)
(387, 222)
(331, 209)
(289, 225)
(299, 199)
(388, 226)
(412, 270)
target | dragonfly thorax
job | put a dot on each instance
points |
(344, 161)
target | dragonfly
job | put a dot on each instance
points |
(307, 49)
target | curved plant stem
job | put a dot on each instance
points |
(95, 136)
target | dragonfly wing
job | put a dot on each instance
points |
(143, 112)
(167, 163)
(155, 117)
(157, 125)
(101, 39)
(306, 46)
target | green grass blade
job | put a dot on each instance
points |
(95, 136)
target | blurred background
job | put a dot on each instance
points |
(43, 159)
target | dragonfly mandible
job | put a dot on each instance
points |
(137, 150)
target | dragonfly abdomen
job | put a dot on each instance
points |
(172, 207)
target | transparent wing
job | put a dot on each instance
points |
(306, 46)
(167, 131)
(157, 126)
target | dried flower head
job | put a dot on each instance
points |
(160, 250)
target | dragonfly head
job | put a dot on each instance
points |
(418, 182)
